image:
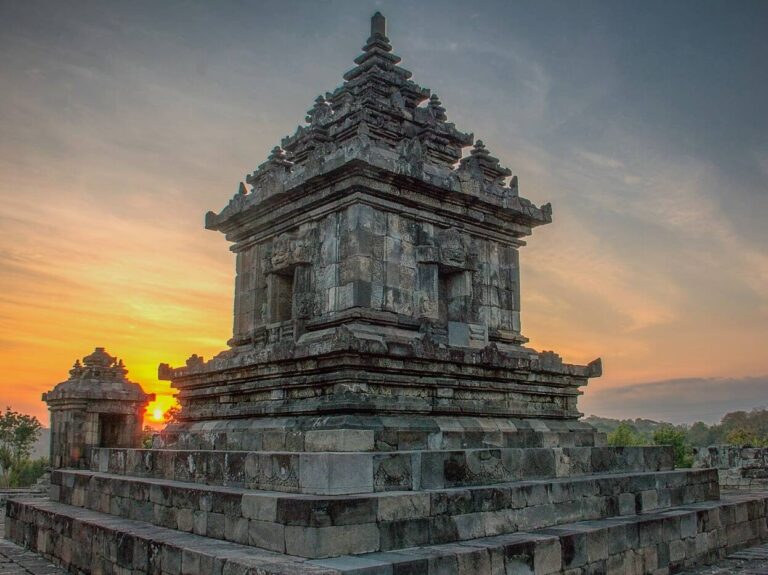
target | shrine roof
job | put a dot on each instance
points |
(382, 117)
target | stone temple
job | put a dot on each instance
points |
(377, 410)
(96, 407)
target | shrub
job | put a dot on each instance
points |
(670, 435)
(624, 435)
(25, 473)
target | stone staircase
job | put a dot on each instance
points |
(663, 541)
(574, 510)
(323, 526)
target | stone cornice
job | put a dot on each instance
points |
(360, 181)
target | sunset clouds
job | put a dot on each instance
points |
(121, 124)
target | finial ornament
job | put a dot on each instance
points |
(436, 108)
(378, 25)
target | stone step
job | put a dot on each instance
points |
(377, 433)
(85, 541)
(656, 543)
(315, 526)
(338, 473)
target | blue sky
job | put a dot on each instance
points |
(644, 123)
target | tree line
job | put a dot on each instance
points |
(737, 428)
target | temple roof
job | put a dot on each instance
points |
(382, 117)
(99, 376)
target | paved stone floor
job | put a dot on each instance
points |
(16, 561)
(753, 561)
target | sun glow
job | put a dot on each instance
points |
(157, 410)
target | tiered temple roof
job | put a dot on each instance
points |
(382, 117)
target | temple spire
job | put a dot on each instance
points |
(378, 25)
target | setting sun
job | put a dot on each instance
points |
(158, 408)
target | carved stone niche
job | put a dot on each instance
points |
(446, 288)
(288, 273)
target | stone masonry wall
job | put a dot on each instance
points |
(366, 257)
(659, 543)
(738, 467)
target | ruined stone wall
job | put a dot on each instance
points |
(738, 467)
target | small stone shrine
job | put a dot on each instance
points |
(377, 410)
(96, 407)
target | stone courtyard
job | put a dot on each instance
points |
(377, 410)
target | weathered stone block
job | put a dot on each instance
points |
(171, 560)
(266, 535)
(185, 520)
(260, 506)
(339, 440)
(401, 506)
(215, 525)
(395, 471)
(627, 504)
(236, 529)
(336, 473)
(331, 541)
(538, 463)
(648, 500)
(190, 563)
(676, 550)
(547, 557)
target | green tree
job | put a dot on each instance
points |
(171, 416)
(18, 434)
(624, 435)
(742, 438)
(741, 427)
(701, 435)
(147, 437)
(676, 437)
(26, 473)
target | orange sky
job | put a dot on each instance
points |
(91, 277)
(116, 138)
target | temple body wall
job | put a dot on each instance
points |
(386, 262)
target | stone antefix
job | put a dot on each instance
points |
(96, 407)
(377, 410)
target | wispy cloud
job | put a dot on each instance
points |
(600, 160)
